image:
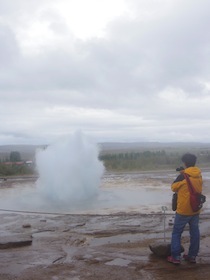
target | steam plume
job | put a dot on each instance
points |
(69, 170)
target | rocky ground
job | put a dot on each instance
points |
(77, 247)
(90, 247)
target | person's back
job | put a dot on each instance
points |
(180, 186)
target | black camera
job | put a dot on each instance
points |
(180, 168)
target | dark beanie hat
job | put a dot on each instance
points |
(189, 159)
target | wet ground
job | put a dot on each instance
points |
(94, 247)
(110, 245)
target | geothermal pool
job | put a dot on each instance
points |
(71, 179)
(144, 192)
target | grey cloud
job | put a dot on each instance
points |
(9, 51)
(19, 7)
(144, 58)
(126, 71)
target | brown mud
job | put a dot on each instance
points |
(90, 247)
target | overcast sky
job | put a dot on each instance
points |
(118, 70)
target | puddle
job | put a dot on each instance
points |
(44, 234)
(70, 251)
(119, 262)
(128, 238)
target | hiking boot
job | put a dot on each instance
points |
(173, 260)
(189, 259)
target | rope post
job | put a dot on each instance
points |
(164, 208)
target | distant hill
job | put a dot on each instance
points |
(28, 151)
(117, 147)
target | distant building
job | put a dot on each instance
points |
(29, 162)
(13, 163)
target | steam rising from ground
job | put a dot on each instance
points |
(69, 170)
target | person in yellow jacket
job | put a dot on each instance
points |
(184, 213)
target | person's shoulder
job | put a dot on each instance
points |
(179, 178)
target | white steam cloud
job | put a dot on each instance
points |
(69, 170)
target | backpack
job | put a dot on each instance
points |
(196, 199)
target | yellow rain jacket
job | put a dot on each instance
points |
(180, 186)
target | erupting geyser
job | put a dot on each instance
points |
(69, 170)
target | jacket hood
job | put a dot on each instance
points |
(193, 171)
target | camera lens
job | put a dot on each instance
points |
(180, 168)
